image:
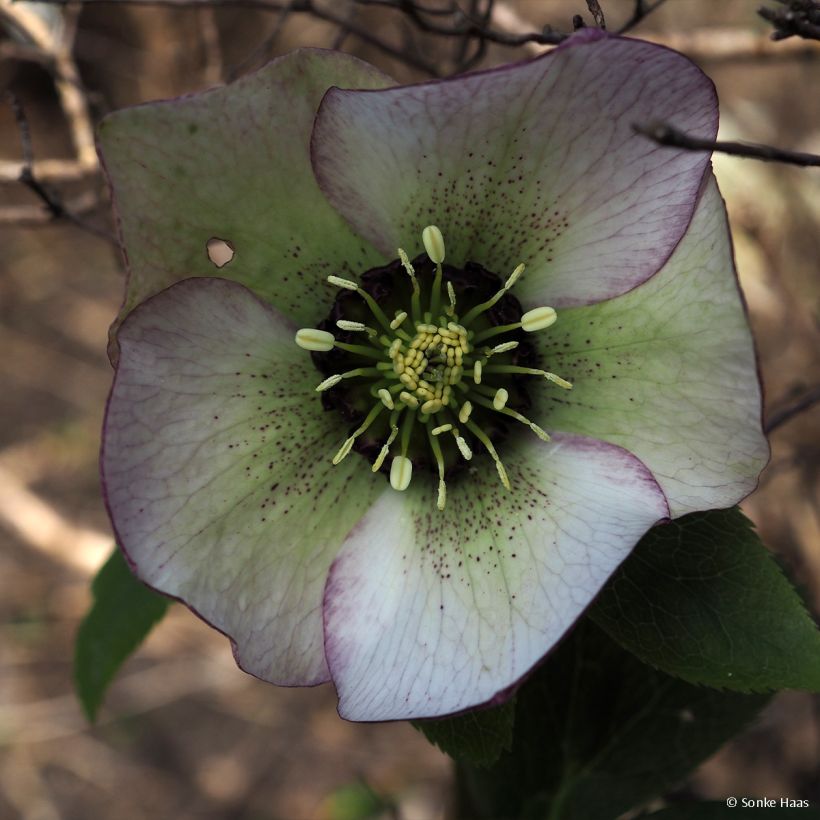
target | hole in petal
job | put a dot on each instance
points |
(220, 251)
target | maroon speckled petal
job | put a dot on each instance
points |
(428, 613)
(535, 163)
(217, 475)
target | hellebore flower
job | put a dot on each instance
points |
(420, 507)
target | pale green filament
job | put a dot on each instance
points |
(431, 367)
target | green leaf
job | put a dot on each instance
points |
(478, 738)
(702, 599)
(123, 613)
(721, 811)
(598, 732)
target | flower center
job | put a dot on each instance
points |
(432, 383)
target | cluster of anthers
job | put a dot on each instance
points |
(429, 366)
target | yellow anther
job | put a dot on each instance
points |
(401, 471)
(401, 315)
(514, 276)
(409, 399)
(433, 243)
(329, 382)
(500, 398)
(387, 399)
(442, 428)
(320, 341)
(394, 348)
(477, 372)
(504, 347)
(464, 412)
(431, 406)
(538, 319)
(342, 283)
(551, 377)
(463, 448)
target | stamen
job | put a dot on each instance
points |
(442, 428)
(483, 438)
(348, 445)
(465, 411)
(462, 445)
(387, 399)
(434, 245)
(342, 283)
(451, 294)
(371, 302)
(533, 320)
(411, 271)
(355, 327)
(542, 434)
(485, 306)
(437, 454)
(538, 319)
(329, 382)
(514, 276)
(510, 368)
(504, 347)
(401, 471)
(477, 368)
(415, 303)
(500, 398)
(320, 341)
(377, 464)
(401, 315)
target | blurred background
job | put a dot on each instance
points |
(184, 733)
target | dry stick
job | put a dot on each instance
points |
(27, 177)
(801, 18)
(666, 135)
(597, 13)
(805, 402)
(69, 90)
(641, 12)
(296, 6)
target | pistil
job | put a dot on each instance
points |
(431, 368)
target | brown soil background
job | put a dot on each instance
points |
(184, 733)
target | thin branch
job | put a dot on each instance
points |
(666, 135)
(800, 18)
(597, 13)
(641, 11)
(805, 402)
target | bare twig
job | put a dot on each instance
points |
(641, 11)
(805, 402)
(799, 18)
(665, 134)
(66, 77)
(597, 13)
(50, 199)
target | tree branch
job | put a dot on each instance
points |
(666, 135)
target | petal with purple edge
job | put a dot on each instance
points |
(428, 613)
(217, 474)
(668, 371)
(535, 162)
(233, 164)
